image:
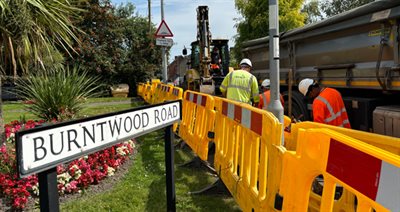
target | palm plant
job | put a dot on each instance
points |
(57, 94)
(31, 29)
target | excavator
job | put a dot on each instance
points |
(209, 59)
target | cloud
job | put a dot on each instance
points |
(181, 15)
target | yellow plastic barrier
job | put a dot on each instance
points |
(148, 93)
(139, 90)
(154, 98)
(176, 94)
(248, 153)
(198, 117)
(166, 91)
(371, 173)
(388, 143)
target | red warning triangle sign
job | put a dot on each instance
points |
(163, 30)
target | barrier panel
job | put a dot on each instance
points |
(198, 117)
(147, 93)
(139, 90)
(160, 94)
(387, 143)
(176, 94)
(248, 154)
(153, 98)
(166, 91)
(371, 173)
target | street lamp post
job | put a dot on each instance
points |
(275, 105)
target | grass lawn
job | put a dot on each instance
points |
(15, 110)
(143, 187)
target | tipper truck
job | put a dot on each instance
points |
(356, 52)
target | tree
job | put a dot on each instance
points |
(141, 58)
(99, 50)
(318, 10)
(255, 19)
(334, 7)
(116, 44)
(312, 11)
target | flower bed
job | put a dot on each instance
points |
(73, 177)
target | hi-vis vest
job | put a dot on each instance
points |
(265, 98)
(240, 86)
(328, 108)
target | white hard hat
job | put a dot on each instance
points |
(265, 83)
(304, 85)
(246, 61)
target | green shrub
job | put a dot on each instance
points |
(58, 93)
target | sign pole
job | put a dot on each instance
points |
(163, 50)
(164, 64)
(48, 192)
(169, 168)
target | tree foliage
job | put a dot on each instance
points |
(318, 10)
(116, 45)
(255, 21)
(334, 7)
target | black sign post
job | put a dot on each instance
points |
(41, 149)
(169, 168)
(48, 191)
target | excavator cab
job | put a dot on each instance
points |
(209, 60)
(217, 66)
(219, 57)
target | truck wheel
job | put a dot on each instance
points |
(299, 105)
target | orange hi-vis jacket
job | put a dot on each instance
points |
(265, 98)
(328, 108)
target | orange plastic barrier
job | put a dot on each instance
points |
(248, 153)
(371, 173)
(198, 117)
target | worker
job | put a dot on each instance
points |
(328, 106)
(241, 85)
(215, 61)
(266, 95)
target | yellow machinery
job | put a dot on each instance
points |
(209, 61)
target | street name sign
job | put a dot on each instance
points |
(164, 41)
(163, 30)
(45, 147)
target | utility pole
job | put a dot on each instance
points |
(149, 6)
(163, 49)
(275, 105)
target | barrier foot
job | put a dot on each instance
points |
(180, 145)
(217, 188)
(197, 163)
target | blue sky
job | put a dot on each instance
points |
(180, 16)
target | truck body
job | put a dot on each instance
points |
(356, 52)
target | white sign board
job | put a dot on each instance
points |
(45, 147)
(163, 30)
(164, 41)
